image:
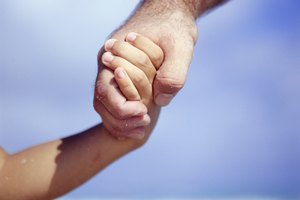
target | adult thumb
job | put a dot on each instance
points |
(172, 74)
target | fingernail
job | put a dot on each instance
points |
(131, 37)
(109, 44)
(163, 99)
(137, 136)
(120, 74)
(107, 57)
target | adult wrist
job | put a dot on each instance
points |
(194, 8)
(163, 7)
(166, 14)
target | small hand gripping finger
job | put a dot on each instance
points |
(117, 50)
(136, 75)
(129, 128)
(108, 93)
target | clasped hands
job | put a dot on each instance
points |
(123, 92)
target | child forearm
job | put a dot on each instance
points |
(52, 169)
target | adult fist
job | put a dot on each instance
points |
(176, 34)
(174, 30)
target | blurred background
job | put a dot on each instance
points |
(233, 132)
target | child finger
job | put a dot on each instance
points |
(126, 86)
(122, 128)
(146, 45)
(130, 53)
(137, 76)
(107, 93)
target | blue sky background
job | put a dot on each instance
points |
(232, 131)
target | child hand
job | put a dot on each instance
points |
(140, 58)
(134, 66)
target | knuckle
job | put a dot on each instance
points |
(123, 125)
(133, 97)
(113, 131)
(126, 87)
(118, 47)
(144, 61)
(139, 78)
(169, 85)
(101, 91)
(151, 74)
(99, 56)
(117, 61)
(120, 129)
(158, 57)
(116, 128)
(120, 112)
(96, 106)
(113, 126)
(96, 103)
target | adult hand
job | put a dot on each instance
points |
(171, 25)
(175, 32)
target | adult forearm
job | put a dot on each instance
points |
(152, 15)
(193, 8)
(166, 15)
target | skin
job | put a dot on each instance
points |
(49, 170)
(171, 25)
(150, 58)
